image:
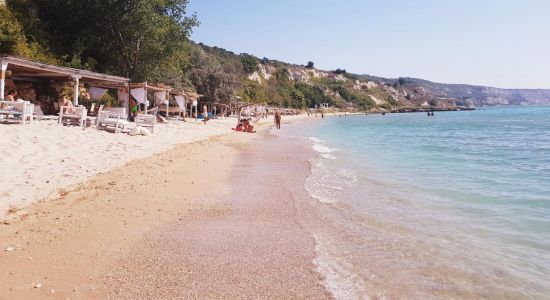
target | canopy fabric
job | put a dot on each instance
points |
(160, 98)
(180, 101)
(97, 93)
(139, 95)
(123, 98)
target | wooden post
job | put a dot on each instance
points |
(145, 95)
(4, 66)
(184, 106)
(167, 101)
(127, 90)
(76, 79)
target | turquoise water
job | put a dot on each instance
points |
(465, 195)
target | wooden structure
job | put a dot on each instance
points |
(19, 69)
(161, 93)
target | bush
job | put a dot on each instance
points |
(339, 71)
(250, 64)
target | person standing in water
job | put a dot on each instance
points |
(277, 120)
(322, 115)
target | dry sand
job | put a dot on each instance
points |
(175, 225)
(37, 160)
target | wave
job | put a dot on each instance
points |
(322, 149)
(326, 182)
(340, 280)
(316, 140)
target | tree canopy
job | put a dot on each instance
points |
(140, 39)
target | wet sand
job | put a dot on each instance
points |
(203, 220)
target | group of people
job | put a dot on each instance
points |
(245, 126)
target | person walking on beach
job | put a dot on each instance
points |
(277, 120)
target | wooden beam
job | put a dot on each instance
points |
(62, 71)
(42, 74)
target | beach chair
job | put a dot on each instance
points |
(28, 112)
(19, 111)
(79, 116)
(114, 117)
(146, 120)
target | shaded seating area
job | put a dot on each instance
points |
(40, 84)
(84, 98)
(175, 105)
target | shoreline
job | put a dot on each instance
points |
(98, 225)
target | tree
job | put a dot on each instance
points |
(253, 92)
(217, 80)
(433, 102)
(140, 39)
(339, 71)
(13, 38)
(250, 64)
(310, 65)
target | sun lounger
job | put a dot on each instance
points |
(78, 117)
(148, 121)
(109, 118)
(20, 111)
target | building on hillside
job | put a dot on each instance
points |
(324, 105)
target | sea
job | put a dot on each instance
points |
(454, 206)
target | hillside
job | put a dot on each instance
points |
(288, 85)
(476, 95)
(148, 40)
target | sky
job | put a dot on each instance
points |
(498, 43)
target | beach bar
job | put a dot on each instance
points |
(16, 70)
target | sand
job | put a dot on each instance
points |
(39, 159)
(177, 224)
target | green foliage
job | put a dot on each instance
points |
(14, 41)
(253, 92)
(215, 78)
(140, 39)
(339, 71)
(350, 76)
(250, 63)
(148, 40)
(313, 95)
(282, 75)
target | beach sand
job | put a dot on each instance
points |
(37, 160)
(201, 220)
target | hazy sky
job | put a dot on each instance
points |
(501, 43)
